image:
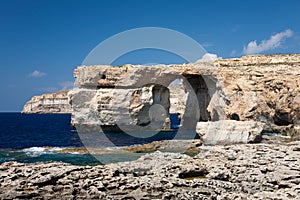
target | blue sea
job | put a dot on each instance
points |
(35, 137)
(49, 137)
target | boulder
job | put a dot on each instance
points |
(229, 132)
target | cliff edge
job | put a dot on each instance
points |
(56, 102)
(261, 88)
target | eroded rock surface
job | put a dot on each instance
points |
(244, 171)
(127, 108)
(57, 102)
(262, 88)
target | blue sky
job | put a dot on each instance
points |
(43, 41)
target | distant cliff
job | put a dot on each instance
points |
(57, 102)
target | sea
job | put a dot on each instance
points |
(30, 138)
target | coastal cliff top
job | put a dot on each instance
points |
(58, 94)
(105, 75)
(260, 59)
(244, 60)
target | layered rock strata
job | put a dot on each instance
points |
(136, 93)
(262, 88)
(57, 102)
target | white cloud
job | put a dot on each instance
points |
(37, 74)
(67, 85)
(209, 57)
(265, 45)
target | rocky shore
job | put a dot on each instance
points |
(241, 171)
(227, 102)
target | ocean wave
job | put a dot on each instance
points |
(37, 151)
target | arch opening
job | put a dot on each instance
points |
(200, 88)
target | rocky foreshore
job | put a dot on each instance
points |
(241, 171)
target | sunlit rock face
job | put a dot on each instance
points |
(230, 132)
(143, 96)
(261, 88)
(57, 102)
(123, 107)
(264, 88)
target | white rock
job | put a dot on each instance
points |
(229, 131)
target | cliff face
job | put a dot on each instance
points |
(139, 96)
(57, 102)
(262, 88)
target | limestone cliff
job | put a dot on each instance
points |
(57, 102)
(139, 96)
(261, 88)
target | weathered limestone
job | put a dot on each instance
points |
(132, 81)
(137, 75)
(229, 132)
(261, 88)
(178, 96)
(244, 171)
(126, 108)
(57, 102)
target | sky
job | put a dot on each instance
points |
(42, 42)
